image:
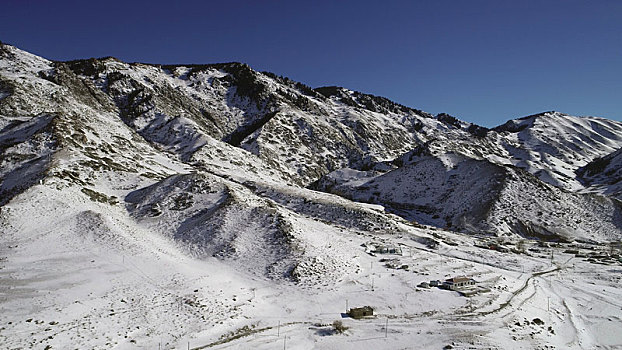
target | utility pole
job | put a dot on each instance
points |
(278, 330)
(386, 328)
(346, 305)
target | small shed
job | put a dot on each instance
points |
(360, 312)
(435, 283)
(381, 248)
(424, 285)
(387, 249)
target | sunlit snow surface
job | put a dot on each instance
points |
(93, 278)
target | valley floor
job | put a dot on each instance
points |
(63, 286)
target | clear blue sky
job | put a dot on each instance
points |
(482, 61)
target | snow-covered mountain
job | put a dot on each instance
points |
(74, 121)
(296, 132)
(213, 183)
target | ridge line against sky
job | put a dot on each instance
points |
(482, 61)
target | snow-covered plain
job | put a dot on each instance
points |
(95, 279)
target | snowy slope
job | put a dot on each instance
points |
(554, 145)
(303, 133)
(299, 133)
(65, 132)
(477, 196)
(550, 145)
(604, 175)
(210, 217)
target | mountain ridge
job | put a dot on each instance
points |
(226, 117)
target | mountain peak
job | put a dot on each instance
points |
(519, 124)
